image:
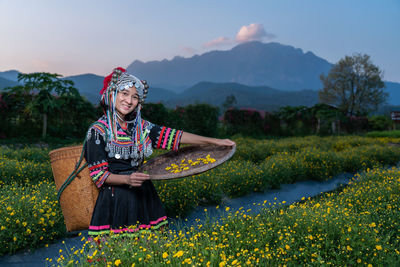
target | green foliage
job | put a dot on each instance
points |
(272, 125)
(354, 85)
(200, 119)
(72, 117)
(23, 171)
(41, 86)
(35, 154)
(155, 113)
(323, 117)
(229, 102)
(380, 122)
(297, 121)
(393, 134)
(30, 216)
(244, 121)
(15, 119)
(45, 99)
(353, 124)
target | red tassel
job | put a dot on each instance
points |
(107, 79)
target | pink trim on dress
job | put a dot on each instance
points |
(95, 172)
(101, 227)
(158, 220)
(166, 138)
(146, 226)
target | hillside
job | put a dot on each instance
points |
(6, 83)
(259, 97)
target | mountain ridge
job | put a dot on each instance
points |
(254, 63)
(244, 67)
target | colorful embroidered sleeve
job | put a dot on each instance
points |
(96, 156)
(165, 138)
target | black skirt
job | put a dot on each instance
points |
(127, 210)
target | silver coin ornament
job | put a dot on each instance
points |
(117, 156)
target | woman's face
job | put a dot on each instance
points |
(126, 101)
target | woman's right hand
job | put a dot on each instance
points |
(137, 178)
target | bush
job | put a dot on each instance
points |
(380, 123)
(200, 119)
(156, 113)
(247, 122)
(392, 134)
(272, 125)
(354, 124)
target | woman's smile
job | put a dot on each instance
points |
(126, 101)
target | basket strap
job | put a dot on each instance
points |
(74, 173)
(77, 170)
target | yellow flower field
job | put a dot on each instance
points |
(359, 225)
(257, 166)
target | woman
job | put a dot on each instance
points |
(116, 146)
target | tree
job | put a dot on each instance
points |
(42, 89)
(354, 85)
(229, 102)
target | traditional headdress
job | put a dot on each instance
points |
(119, 80)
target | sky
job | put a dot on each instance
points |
(72, 37)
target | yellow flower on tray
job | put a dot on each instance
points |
(174, 168)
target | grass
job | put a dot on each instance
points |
(393, 134)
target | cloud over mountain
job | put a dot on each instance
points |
(253, 32)
(220, 41)
(247, 33)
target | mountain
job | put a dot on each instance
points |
(254, 63)
(249, 68)
(89, 85)
(156, 95)
(259, 97)
(394, 93)
(6, 83)
(11, 75)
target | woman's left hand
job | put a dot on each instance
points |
(224, 142)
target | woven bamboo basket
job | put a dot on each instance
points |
(79, 197)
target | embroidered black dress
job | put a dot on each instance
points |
(125, 209)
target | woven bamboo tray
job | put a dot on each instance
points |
(156, 167)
